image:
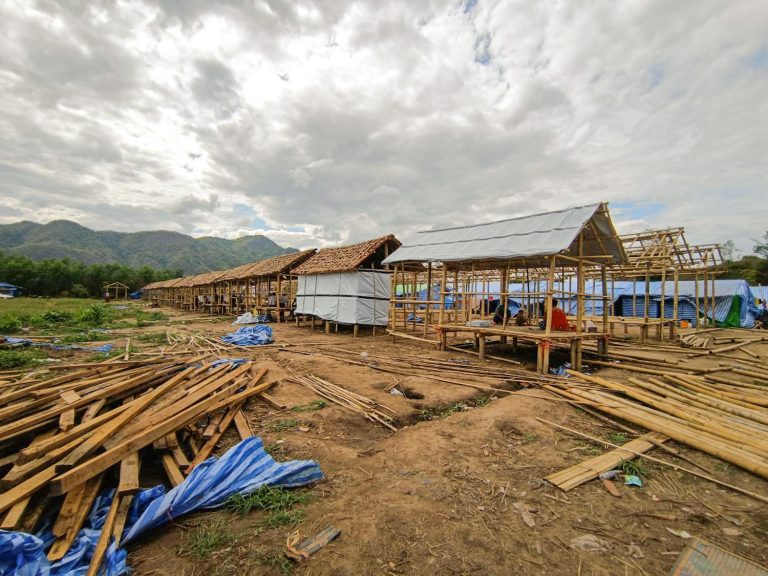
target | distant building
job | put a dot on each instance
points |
(9, 290)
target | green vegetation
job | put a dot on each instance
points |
(634, 468)
(280, 563)
(448, 409)
(66, 277)
(312, 406)
(71, 318)
(752, 268)
(268, 498)
(19, 358)
(618, 438)
(530, 437)
(282, 425)
(153, 338)
(143, 251)
(207, 537)
(284, 518)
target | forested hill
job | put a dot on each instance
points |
(157, 249)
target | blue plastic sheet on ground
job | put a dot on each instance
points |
(241, 470)
(104, 348)
(249, 336)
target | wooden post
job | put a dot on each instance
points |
(606, 304)
(544, 345)
(696, 298)
(581, 292)
(713, 306)
(354, 331)
(661, 302)
(647, 303)
(428, 299)
(327, 326)
(706, 293)
(676, 280)
(481, 349)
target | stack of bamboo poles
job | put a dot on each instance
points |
(64, 439)
(582, 472)
(728, 421)
(446, 371)
(346, 398)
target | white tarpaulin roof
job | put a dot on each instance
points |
(533, 236)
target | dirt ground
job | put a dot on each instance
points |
(451, 494)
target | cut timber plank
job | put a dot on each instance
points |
(578, 474)
(242, 425)
(213, 425)
(63, 544)
(14, 516)
(103, 461)
(172, 469)
(111, 428)
(180, 458)
(129, 474)
(105, 537)
(67, 420)
(269, 399)
(92, 410)
(69, 396)
(122, 517)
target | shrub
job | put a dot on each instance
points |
(9, 324)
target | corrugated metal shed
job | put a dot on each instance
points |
(527, 237)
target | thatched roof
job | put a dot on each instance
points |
(269, 267)
(346, 258)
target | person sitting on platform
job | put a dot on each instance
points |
(521, 318)
(559, 319)
(498, 315)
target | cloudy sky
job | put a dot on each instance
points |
(326, 121)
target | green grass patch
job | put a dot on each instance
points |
(280, 518)
(618, 438)
(280, 563)
(19, 358)
(634, 468)
(440, 412)
(282, 425)
(311, 407)
(153, 338)
(268, 498)
(206, 538)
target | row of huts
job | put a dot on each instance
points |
(453, 282)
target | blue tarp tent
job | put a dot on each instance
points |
(734, 302)
(9, 290)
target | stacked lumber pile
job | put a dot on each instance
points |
(346, 398)
(65, 438)
(726, 418)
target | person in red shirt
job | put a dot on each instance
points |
(559, 319)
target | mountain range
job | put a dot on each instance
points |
(157, 249)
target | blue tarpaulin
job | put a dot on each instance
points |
(249, 336)
(241, 470)
(104, 348)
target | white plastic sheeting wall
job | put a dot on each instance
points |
(359, 297)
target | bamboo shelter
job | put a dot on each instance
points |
(658, 259)
(347, 285)
(265, 287)
(444, 282)
(116, 288)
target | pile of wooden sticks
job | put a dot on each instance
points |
(726, 418)
(64, 438)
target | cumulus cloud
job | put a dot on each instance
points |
(318, 122)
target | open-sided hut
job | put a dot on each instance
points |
(266, 287)
(467, 259)
(347, 284)
(116, 290)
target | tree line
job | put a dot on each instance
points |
(64, 277)
(753, 268)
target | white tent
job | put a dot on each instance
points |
(356, 297)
